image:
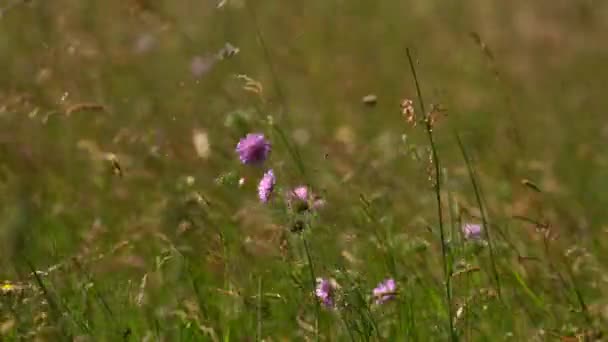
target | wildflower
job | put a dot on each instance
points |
(385, 291)
(301, 193)
(326, 292)
(253, 149)
(471, 231)
(266, 186)
(407, 110)
(7, 288)
(302, 199)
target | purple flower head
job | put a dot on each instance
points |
(385, 291)
(326, 292)
(471, 231)
(266, 186)
(253, 149)
(302, 199)
(301, 193)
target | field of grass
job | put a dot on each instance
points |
(127, 215)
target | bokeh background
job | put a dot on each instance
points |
(118, 121)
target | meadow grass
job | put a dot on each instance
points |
(472, 212)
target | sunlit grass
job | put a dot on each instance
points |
(474, 211)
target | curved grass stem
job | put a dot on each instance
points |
(482, 210)
(313, 284)
(437, 188)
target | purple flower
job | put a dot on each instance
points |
(385, 291)
(471, 231)
(301, 199)
(253, 149)
(266, 186)
(326, 291)
(301, 193)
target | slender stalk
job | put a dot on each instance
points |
(382, 240)
(482, 210)
(367, 314)
(565, 284)
(437, 186)
(347, 327)
(273, 73)
(292, 149)
(579, 296)
(56, 307)
(313, 284)
(108, 311)
(259, 313)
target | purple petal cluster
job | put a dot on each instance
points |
(471, 231)
(302, 198)
(301, 193)
(325, 291)
(266, 186)
(385, 291)
(253, 148)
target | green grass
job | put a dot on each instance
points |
(134, 235)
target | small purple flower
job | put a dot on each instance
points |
(471, 231)
(253, 149)
(326, 292)
(266, 186)
(385, 291)
(301, 193)
(302, 199)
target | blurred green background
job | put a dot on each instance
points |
(151, 87)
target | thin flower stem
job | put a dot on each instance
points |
(259, 313)
(389, 258)
(437, 186)
(482, 210)
(347, 327)
(271, 67)
(314, 284)
(368, 311)
(292, 149)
